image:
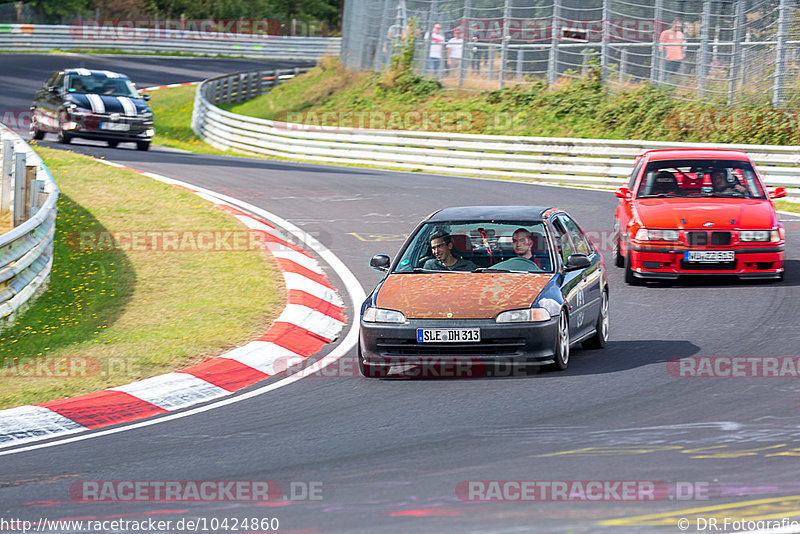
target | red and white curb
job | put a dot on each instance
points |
(314, 316)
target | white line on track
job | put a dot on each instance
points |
(354, 291)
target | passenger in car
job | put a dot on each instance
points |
(721, 185)
(444, 260)
(524, 244)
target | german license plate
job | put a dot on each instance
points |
(116, 126)
(709, 256)
(448, 335)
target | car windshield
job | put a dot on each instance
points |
(700, 178)
(101, 85)
(478, 246)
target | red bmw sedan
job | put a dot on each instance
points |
(697, 211)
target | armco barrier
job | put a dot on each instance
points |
(40, 37)
(592, 162)
(26, 252)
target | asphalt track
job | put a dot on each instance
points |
(390, 454)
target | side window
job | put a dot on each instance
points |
(579, 240)
(635, 173)
(563, 241)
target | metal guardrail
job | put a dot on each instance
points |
(26, 252)
(592, 162)
(39, 37)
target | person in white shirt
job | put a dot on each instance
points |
(436, 50)
(455, 51)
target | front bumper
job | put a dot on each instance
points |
(668, 263)
(386, 345)
(91, 127)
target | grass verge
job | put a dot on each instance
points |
(114, 315)
(172, 109)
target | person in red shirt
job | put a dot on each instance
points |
(672, 40)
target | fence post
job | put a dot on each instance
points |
(380, 53)
(6, 179)
(29, 193)
(18, 215)
(552, 63)
(623, 64)
(736, 53)
(780, 54)
(655, 59)
(504, 44)
(702, 61)
(466, 50)
(520, 61)
(604, 43)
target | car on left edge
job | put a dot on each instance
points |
(92, 104)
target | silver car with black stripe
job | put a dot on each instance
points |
(92, 104)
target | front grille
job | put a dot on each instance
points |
(700, 238)
(487, 347)
(692, 266)
(697, 239)
(720, 238)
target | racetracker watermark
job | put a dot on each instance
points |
(195, 491)
(517, 29)
(172, 29)
(581, 490)
(17, 119)
(45, 367)
(191, 240)
(734, 367)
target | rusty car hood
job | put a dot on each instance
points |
(459, 295)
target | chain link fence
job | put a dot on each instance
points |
(724, 50)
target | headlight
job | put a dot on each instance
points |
(528, 315)
(759, 235)
(378, 315)
(646, 234)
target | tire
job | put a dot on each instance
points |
(561, 355)
(630, 278)
(367, 370)
(64, 137)
(600, 337)
(112, 144)
(36, 133)
(143, 145)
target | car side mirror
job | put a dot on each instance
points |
(577, 261)
(54, 89)
(380, 262)
(146, 96)
(779, 192)
(622, 192)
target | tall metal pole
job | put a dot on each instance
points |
(702, 61)
(780, 54)
(466, 50)
(655, 59)
(552, 63)
(504, 44)
(383, 52)
(738, 22)
(605, 37)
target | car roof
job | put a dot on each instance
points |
(90, 72)
(695, 153)
(488, 213)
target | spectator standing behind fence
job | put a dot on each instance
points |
(436, 40)
(477, 52)
(455, 51)
(672, 40)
